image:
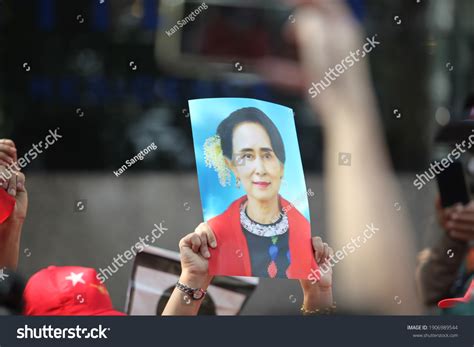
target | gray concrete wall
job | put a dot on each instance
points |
(119, 210)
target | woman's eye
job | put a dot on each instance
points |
(243, 158)
(267, 156)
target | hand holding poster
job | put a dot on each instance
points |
(252, 188)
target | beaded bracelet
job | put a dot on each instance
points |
(319, 311)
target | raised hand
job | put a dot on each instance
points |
(8, 153)
(457, 220)
(319, 294)
(194, 250)
(10, 230)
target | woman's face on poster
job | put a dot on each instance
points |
(255, 163)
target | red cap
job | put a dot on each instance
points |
(7, 204)
(67, 291)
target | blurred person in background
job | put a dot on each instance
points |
(52, 291)
(364, 191)
(67, 291)
(11, 284)
(446, 270)
(14, 184)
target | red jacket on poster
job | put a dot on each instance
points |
(231, 256)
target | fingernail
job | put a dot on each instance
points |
(207, 254)
(12, 192)
(214, 244)
(19, 186)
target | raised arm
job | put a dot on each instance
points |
(317, 289)
(13, 183)
(365, 192)
(194, 253)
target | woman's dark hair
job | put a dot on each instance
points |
(226, 128)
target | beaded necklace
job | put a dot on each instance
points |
(273, 230)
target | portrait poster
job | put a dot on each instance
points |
(252, 187)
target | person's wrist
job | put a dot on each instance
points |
(316, 290)
(11, 227)
(318, 297)
(195, 279)
(349, 116)
(10, 237)
(324, 288)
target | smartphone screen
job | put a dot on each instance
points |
(452, 185)
(245, 32)
(214, 38)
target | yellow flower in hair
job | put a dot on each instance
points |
(214, 159)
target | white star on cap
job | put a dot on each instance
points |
(76, 278)
(3, 275)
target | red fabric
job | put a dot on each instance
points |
(451, 302)
(231, 256)
(7, 204)
(50, 293)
